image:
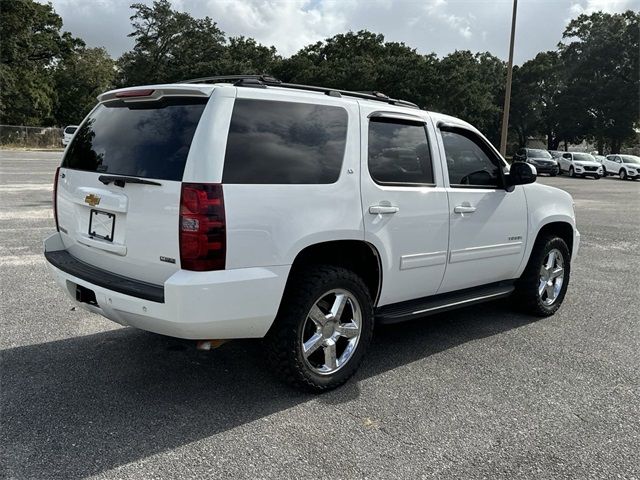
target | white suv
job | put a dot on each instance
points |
(578, 164)
(211, 210)
(625, 166)
(67, 134)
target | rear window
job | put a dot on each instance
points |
(141, 139)
(70, 129)
(284, 143)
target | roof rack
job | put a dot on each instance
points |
(264, 81)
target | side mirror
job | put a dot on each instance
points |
(520, 173)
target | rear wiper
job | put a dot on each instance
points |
(119, 181)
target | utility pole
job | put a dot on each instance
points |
(507, 92)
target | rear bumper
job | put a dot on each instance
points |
(239, 303)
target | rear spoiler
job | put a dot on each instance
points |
(150, 94)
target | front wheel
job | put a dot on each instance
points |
(572, 172)
(543, 285)
(623, 174)
(322, 330)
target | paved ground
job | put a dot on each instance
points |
(480, 393)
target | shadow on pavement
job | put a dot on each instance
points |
(81, 406)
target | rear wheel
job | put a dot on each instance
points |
(543, 285)
(322, 330)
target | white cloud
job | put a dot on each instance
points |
(440, 26)
(611, 6)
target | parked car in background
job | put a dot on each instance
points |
(625, 166)
(67, 134)
(578, 164)
(541, 159)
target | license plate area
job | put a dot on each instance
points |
(102, 225)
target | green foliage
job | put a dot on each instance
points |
(602, 62)
(79, 79)
(31, 46)
(172, 46)
(471, 86)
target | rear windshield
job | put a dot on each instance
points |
(142, 139)
(70, 129)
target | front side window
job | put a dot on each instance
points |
(274, 142)
(469, 161)
(399, 152)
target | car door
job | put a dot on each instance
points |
(405, 206)
(488, 224)
(614, 164)
(565, 162)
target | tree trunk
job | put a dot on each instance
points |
(616, 144)
(566, 146)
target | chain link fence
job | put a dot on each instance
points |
(30, 137)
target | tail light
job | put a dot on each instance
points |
(203, 239)
(55, 198)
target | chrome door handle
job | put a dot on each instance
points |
(383, 209)
(464, 208)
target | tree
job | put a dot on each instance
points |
(363, 61)
(32, 45)
(245, 56)
(602, 64)
(79, 79)
(471, 86)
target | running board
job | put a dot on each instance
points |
(421, 307)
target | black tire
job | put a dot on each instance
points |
(283, 342)
(572, 172)
(526, 296)
(623, 174)
(604, 171)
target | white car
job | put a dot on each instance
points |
(208, 210)
(67, 134)
(578, 164)
(625, 166)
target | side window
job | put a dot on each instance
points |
(469, 160)
(566, 155)
(617, 159)
(399, 152)
(274, 142)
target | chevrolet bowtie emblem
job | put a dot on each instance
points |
(92, 199)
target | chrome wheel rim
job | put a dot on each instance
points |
(551, 277)
(331, 332)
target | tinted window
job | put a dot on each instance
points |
(144, 139)
(284, 142)
(468, 161)
(70, 129)
(399, 152)
(537, 153)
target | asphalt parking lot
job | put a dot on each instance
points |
(478, 393)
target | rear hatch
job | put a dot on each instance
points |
(119, 184)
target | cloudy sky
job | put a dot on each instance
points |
(440, 26)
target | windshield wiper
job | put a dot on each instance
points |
(119, 181)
